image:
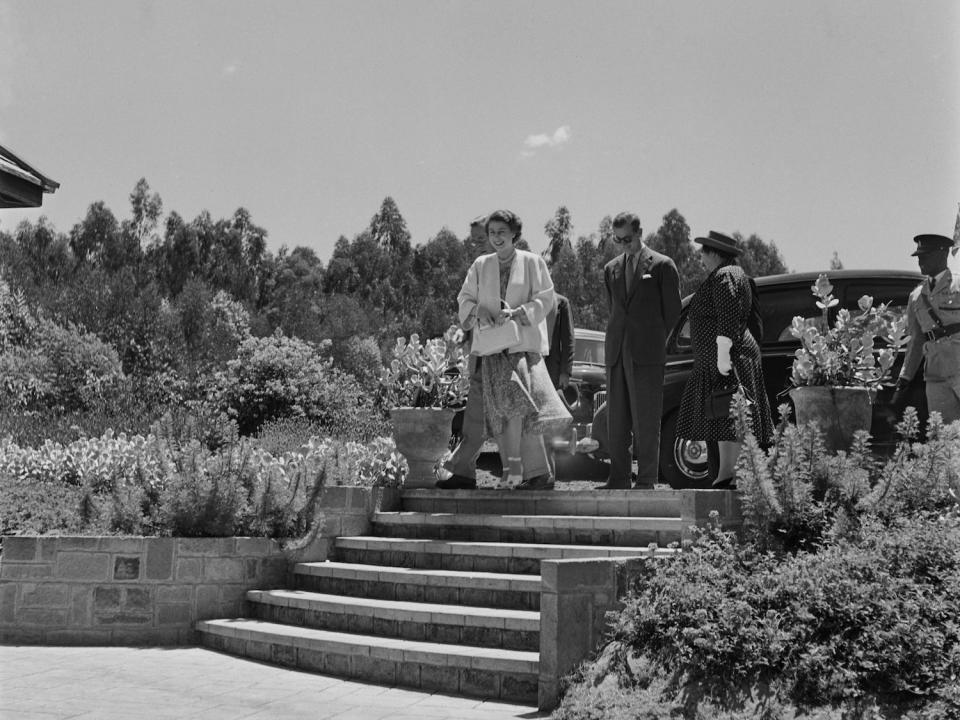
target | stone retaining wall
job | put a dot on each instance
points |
(112, 590)
(576, 595)
(127, 590)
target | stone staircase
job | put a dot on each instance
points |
(444, 595)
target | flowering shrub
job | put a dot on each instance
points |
(169, 485)
(279, 376)
(426, 375)
(845, 355)
(61, 367)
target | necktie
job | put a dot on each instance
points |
(933, 282)
(631, 259)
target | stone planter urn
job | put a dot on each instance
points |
(422, 436)
(838, 411)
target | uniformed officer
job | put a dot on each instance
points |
(933, 322)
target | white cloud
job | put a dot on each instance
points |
(561, 136)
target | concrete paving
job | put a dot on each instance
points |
(119, 683)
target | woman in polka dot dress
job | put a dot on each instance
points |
(718, 315)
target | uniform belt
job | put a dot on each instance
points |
(943, 331)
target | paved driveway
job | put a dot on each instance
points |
(61, 683)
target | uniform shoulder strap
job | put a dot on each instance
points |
(930, 311)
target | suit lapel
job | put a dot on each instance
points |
(644, 261)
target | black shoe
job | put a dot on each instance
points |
(725, 484)
(540, 482)
(457, 482)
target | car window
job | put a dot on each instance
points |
(776, 302)
(894, 292)
(589, 351)
(683, 342)
(778, 307)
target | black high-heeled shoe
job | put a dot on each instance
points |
(726, 483)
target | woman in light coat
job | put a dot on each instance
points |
(503, 286)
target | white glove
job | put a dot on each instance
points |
(724, 366)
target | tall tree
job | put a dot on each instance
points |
(558, 229)
(568, 275)
(293, 292)
(673, 240)
(95, 235)
(759, 256)
(388, 228)
(146, 209)
(177, 258)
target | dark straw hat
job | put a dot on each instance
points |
(931, 243)
(570, 396)
(720, 242)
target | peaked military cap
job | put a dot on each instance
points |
(931, 243)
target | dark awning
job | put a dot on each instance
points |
(21, 185)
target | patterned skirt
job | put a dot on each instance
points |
(693, 423)
(518, 385)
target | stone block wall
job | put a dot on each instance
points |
(576, 595)
(127, 590)
(113, 590)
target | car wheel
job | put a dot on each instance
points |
(683, 463)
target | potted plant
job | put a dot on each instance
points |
(423, 386)
(837, 370)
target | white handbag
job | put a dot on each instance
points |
(491, 339)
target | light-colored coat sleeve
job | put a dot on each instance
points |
(469, 296)
(914, 354)
(542, 296)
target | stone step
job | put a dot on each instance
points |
(468, 670)
(429, 622)
(499, 557)
(545, 529)
(629, 503)
(444, 587)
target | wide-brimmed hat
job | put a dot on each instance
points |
(930, 242)
(720, 242)
(570, 396)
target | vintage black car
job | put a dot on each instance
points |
(683, 463)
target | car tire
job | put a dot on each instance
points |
(683, 463)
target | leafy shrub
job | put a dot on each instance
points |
(359, 356)
(128, 412)
(205, 493)
(842, 601)
(871, 622)
(795, 493)
(167, 483)
(17, 322)
(278, 377)
(70, 487)
(196, 421)
(62, 367)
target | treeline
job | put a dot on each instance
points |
(112, 276)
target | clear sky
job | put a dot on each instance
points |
(821, 125)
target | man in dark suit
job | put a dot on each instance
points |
(560, 329)
(643, 294)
